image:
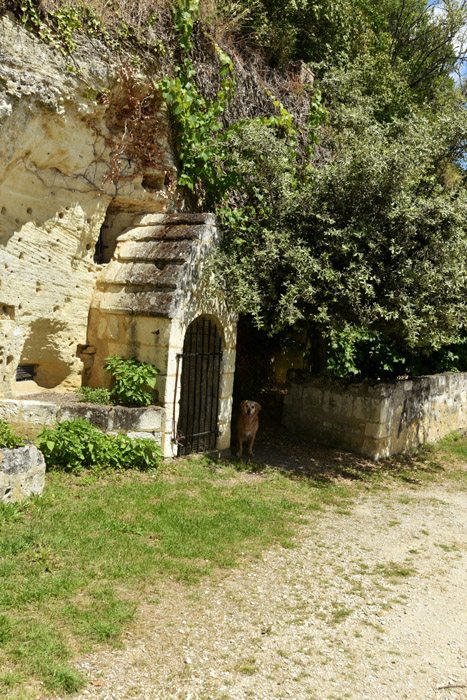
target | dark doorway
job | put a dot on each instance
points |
(200, 384)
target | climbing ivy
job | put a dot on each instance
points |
(56, 27)
(196, 119)
(202, 138)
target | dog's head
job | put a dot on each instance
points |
(250, 408)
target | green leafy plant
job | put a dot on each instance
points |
(66, 21)
(71, 445)
(197, 120)
(98, 395)
(132, 380)
(7, 437)
(55, 28)
(76, 445)
(374, 355)
(30, 15)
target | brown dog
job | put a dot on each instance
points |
(247, 425)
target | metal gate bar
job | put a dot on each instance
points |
(200, 385)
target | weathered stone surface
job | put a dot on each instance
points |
(141, 302)
(29, 417)
(153, 435)
(167, 251)
(178, 219)
(10, 410)
(147, 274)
(37, 413)
(22, 473)
(166, 232)
(115, 418)
(54, 199)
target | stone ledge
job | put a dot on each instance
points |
(29, 417)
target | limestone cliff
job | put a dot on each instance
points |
(57, 148)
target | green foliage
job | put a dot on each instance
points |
(66, 21)
(132, 379)
(202, 138)
(55, 28)
(419, 39)
(371, 239)
(7, 437)
(365, 354)
(30, 15)
(98, 396)
(72, 445)
(289, 30)
(77, 445)
(12, 513)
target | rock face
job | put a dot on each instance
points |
(56, 198)
(94, 261)
(22, 473)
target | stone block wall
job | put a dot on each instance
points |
(27, 418)
(376, 420)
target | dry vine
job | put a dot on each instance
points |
(134, 134)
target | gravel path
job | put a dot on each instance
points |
(370, 603)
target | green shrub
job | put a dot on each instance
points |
(7, 437)
(98, 396)
(76, 445)
(372, 355)
(132, 380)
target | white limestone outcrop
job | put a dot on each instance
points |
(55, 198)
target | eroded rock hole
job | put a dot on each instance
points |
(117, 219)
(153, 182)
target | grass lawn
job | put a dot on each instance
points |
(75, 561)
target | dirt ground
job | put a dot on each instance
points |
(370, 603)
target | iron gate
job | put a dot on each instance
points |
(200, 383)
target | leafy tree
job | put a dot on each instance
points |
(369, 234)
(374, 237)
(422, 39)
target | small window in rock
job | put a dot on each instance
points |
(101, 248)
(25, 373)
(153, 182)
(7, 312)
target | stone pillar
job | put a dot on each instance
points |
(22, 473)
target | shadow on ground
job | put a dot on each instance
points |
(276, 448)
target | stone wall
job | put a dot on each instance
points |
(376, 420)
(27, 418)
